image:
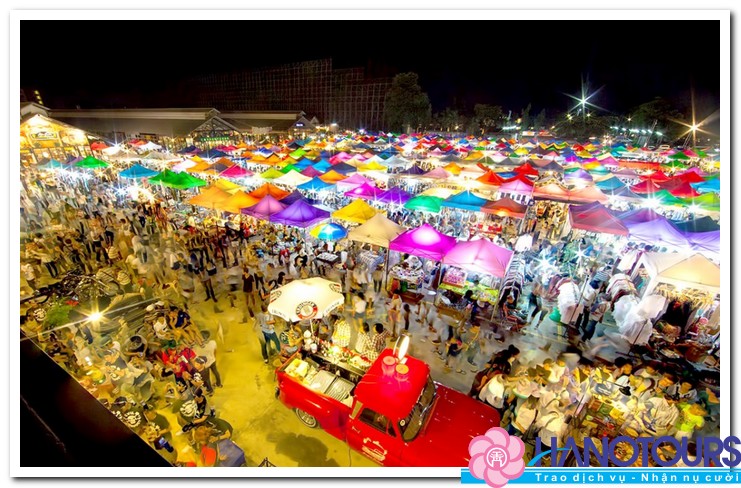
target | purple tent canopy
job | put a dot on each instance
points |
(639, 216)
(413, 170)
(394, 196)
(292, 197)
(579, 174)
(704, 241)
(425, 242)
(516, 186)
(364, 191)
(263, 209)
(311, 172)
(299, 214)
(658, 232)
(480, 256)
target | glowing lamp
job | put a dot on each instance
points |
(387, 365)
(402, 372)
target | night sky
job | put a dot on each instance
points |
(105, 64)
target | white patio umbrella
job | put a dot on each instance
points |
(312, 298)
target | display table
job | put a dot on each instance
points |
(480, 292)
(328, 257)
(413, 276)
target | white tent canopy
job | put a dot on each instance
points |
(681, 270)
(378, 231)
(292, 179)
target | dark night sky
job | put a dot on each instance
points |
(460, 63)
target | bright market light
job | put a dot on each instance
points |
(95, 317)
(651, 203)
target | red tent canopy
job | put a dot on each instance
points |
(505, 207)
(521, 178)
(647, 186)
(691, 177)
(595, 217)
(490, 178)
(526, 169)
(684, 190)
(657, 177)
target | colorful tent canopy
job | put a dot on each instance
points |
(311, 172)
(263, 209)
(595, 217)
(551, 191)
(91, 162)
(394, 196)
(226, 185)
(271, 174)
(292, 179)
(343, 168)
(364, 191)
(137, 171)
(299, 214)
(179, 181)
(611, 183)
(646, 186)
(293, 197)
(516, 186)
(490, 178)
(437, 174)
(465, 200)
(707, 201)
(648, 227)
(453, 168)
(357, 211)
(683, 190)
(413, 170)
(657, 177)
(210, 197)
(526, 169)
(316, 184)
(425, 241)
(377, 231)
(588, 194)
(505, 207)
(332, 177)
(54, 164)
(330, 231)
(236, 202)
(424, 203)
(352, 182)
(268, 189)
(236, 171)
(479, 256)
(707, 186)
(703, 224)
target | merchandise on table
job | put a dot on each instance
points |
(328, 257)
(410, 270)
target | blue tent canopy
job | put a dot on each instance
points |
(315, 184)
(212, 154)
(612, 183)
(707, 186)
(304, 163)
(322, 166)
(343, 168)
(137, 171)
(465, 200)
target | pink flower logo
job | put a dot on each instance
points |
(496, 457)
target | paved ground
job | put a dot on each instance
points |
(266, 428)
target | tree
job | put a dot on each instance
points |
(539, 121)
(406, 106)
(524, 121)
(661, 111)
(487, 117)
(449, 120)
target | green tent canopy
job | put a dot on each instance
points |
(425, 203)
(666, 198)
(91, 163)
(675, 164)
(679, 155)
(179, 181)
(297, 154)
(707, 201)
(288, 168)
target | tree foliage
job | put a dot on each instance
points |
(487, 117)
(406, 106)
(663, 112)
(449, 120)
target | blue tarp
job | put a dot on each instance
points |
(465, 200)
(315, 184)
(137, 171)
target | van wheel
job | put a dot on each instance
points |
(308, 420)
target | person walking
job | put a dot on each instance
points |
(207, 353)
(267, 327)
(249, 288)
(207, 284)
(394, 314)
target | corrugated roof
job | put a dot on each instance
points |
(163, 127)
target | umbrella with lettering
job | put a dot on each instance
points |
(312, 298)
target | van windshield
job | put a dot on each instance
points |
(412, 424)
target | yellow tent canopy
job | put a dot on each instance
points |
(357, 211)
(372, 166)
(236, 202)
(332, 176)
(227, 186)
(198, 168)
(453, 168)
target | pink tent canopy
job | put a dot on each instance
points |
(437, 173)
(352, 182)
(425, 241)
(588, 194)
(364, 191)
(311, 172)
(264, 208)
(236, 171)
(516, 186)
(595, 217)
(479, 256)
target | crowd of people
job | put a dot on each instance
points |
(167, 362)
